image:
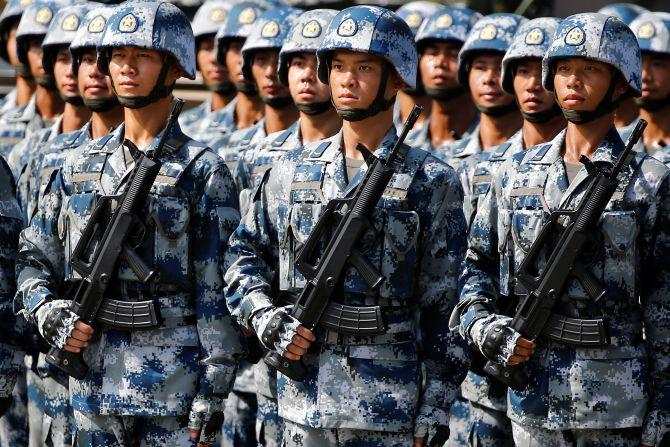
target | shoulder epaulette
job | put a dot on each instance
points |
(320, 149)
(246, 139)
(541, 152)
(281, 139)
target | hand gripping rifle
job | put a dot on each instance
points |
(352, 219)
(96, 259)
(534, 316)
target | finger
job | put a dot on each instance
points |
(306, 333)
(300, 341)
(291, 356)
(195, 434)
(525, 343)
(83, 327)
(520, 350)
(516, 359)
(72, 349)
(297, 350)
(75, 343)
(418, 442)
(79, 335)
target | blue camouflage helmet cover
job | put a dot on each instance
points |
(269, 33)
(491, 34)
(448, 23)
(35, 23)
(210, 17)
(597, 37)
(416, 13)
(62, 30)
(306, 35)
(157, 26)
(375, 30)
(12, 11)
(652, 30)
(241, 20)
(531, 41)
(626, 12)
(90, 32)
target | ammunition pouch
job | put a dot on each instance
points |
(576, 332)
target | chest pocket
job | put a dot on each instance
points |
(399, 253)
(620, 230)
(74, 215)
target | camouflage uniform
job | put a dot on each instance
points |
(143, 383)
(577, 395)
(10, 16)
(626, 12)
(353, 384)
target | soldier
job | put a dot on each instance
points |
(25, 84)
(653, 34)
(414, 14)
(164, 383)
(479, 67)
(57, 63)
(46, 104)
(488, 424)
(260, 55)
(246, 108)
(359, 390)
(216, 77)
(453, 114)
(614, 393)
(628, 111)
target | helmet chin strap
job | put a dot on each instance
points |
(74, 100)
(101, 105)
(47, 81)
(380, 104)
(23, 70)
(497, 111)
(247, 88)
(277, 103)
(444, 93)
(542, 116)
(653, 104)
(158, 92)
(606, 106)
(314, 108)
(222, 88)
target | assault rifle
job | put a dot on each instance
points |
(351, 218)
(535, 316)
(95, 258)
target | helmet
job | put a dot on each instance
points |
(35, 23)
(652, 30)
(154, 25)
(11, 14)
(447, 23)
(598, 37)
(269, 33)
(238, 25)
(532, 40)
(62, 30)
(306, 36)
(370, 29)
(210, 17)
(89, 33)
(492, 33)
(415, 13)
(626, 12)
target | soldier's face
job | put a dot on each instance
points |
(439, 64)
(234, 61)
(92, 83)
(11, 45)
(65, 79)
(581, 84)
(655, 76)
(212, 72)
(264, 70)
(135, 71)
(35, 57)
(303, 82)
(530, 94)
(355, 79)
(484, 81)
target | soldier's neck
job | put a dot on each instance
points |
(626, 113)
(496, 130)
(279, 119)
(220, 101)
(103, 122)
(144, 124)
(407, 104)
(369, 132)
(658, 128)
(584, 139)
(450, 117)
(49, 103)
(538, 133)
(248, 110)
(319, 127)
(74, 117)
(25, 88)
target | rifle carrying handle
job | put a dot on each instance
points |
(293, 369)
(69, 362)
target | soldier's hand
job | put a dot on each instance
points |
(300, 343)
(79, 338)
(523, 350)
(419, 441)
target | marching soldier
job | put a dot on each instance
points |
(359, 389)
(161, 382)
(614, 390)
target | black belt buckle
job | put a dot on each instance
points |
(128, 315)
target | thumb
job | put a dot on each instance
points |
(195, 435)
(419, 441)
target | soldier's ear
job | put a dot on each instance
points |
(175, 72)
(396, 80)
